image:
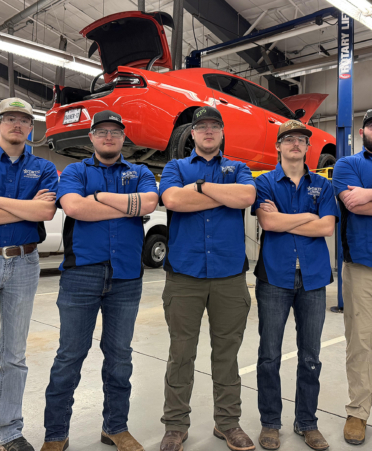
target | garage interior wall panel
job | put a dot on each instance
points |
(326, 83)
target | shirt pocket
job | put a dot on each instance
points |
(312, 204)
(28, 187)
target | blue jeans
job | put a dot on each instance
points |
(19, 277)
(83, 291)
(274, 304)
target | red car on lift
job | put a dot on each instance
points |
(157, 107)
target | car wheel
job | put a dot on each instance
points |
(154, 251)
(326, 160)
(181, 142)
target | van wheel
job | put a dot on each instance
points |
(154, 251)
(326, 160)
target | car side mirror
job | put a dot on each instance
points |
(300, 113)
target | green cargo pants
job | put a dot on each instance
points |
(228, 302)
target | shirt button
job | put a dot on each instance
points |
(208, 236)
(294, 211)
(10, 180)
(293, 186)
(295, 250)
(113, 251)
(209, 252)
(207, 220)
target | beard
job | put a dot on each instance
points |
(108, 155)
(367, 142)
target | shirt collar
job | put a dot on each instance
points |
(22, 156)
(279, 173)
(93, 161)
(194, 156)
(366, 153)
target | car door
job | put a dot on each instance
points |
(245, 125)
(276, 114)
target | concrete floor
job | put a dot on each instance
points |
(150, 347)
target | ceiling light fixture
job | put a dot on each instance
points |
(48, 55)
(360, 10)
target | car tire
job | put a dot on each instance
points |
(326, 160)
(181, 143)
(154, 250)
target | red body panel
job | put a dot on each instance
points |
(309, 102)
(150, 109)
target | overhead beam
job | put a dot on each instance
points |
(32, 9)
(224, 22)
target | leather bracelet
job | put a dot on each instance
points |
(95, 195)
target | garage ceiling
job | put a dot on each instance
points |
(68, 17)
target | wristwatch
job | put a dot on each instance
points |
(199, 185)
(95, 195)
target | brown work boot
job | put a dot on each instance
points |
(269, 438)
(123, 441)
(355, 430)
(313, 438)
(172, 441)
(236, 439)
(55, 446)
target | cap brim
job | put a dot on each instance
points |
(211, 118)
(304, 131)
(17, 110)
(108, 120)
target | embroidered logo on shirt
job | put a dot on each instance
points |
(314, 191)
(127, 176)
(226, 169)
(28, 174)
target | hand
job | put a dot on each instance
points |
(90, 197)
(269, 206)
(190, 186)
(45, 194)
(313, 217)
(357, 196)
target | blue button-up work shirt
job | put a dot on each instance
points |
(355, 229)
(279, 250)
(22, 180)
(118, 240)
(209, 243)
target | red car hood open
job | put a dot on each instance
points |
(309, 102)
(131, 38)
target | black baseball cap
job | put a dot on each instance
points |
(206, 112)
(106, 116)
(367, 117)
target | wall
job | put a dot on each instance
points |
(326, 83)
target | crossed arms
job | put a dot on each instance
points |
(40, 208)
(305, 224)
(186, 199)
(109, 205)
(357, 200)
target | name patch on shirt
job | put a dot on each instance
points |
(29, 174)
(226, 169)
(314, 191)
(127, 176)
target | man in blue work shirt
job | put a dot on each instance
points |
(296, 210)
(205, 195)
(352, 181)
(28, 185)
(104, 198)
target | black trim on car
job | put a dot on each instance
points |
(75, 138)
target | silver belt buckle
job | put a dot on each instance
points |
(3, 252)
